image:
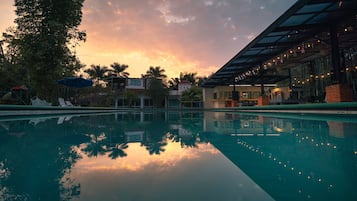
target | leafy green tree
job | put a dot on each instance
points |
(44, 39)
(119, 70)
(97, 73)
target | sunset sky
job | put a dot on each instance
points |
(177, 35)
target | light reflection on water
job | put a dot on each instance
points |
(178, 156)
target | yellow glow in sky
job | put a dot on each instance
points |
(179, 36)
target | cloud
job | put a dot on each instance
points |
(192, 34)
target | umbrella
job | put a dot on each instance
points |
(76, 82)
(19, 88)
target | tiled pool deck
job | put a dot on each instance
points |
(349, 108)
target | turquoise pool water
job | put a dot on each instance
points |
(173, 156)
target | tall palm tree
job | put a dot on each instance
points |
(173, 83)
(119, 69)
(191, 77)
(155, 72)
(97, 72)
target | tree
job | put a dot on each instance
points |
(191, 77)
(41, 41)
(119, 70)
(173, 83)
(157, 92)
(97, 72)
(191, 97)
(155, 72)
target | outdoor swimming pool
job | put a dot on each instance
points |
(178, 156)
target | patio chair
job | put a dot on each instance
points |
(38, 102)
(64, 103)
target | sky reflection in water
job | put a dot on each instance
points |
(201, 173)
(178, 156)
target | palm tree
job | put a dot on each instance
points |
(155, 72)
(97, 72)
(173, 83)
(191, 77)
(119, 69)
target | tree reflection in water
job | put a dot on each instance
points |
(36, 159)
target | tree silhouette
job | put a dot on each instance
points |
(118, 151)
(97, 72)
(155, 72)
(173, 83)
(119, 70)
(191, 77)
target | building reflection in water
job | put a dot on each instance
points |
(291, 157)
(304, 157)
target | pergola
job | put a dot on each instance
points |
(308, 23)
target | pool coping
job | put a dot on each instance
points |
(343, 108)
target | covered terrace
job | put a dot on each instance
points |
(311, 50)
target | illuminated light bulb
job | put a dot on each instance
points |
(320, 180)
(334, 147)
(355, 152)
(309, 177)
(292, 169)
(316, 76)
(284, 165)
(322, 76)
(328, 74)
(300, 173)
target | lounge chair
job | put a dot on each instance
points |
(64, 103)
(38, 102)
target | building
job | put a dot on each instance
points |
(132, 92)
(309, 54)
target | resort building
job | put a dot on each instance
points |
(308, 55)
(133, 92)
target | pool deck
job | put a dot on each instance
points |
(345, 108)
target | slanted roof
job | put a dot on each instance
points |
(301, 22)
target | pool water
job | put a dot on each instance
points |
(173, 156)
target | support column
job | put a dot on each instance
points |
(141, 102)
(339, 91)
(262, 99)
